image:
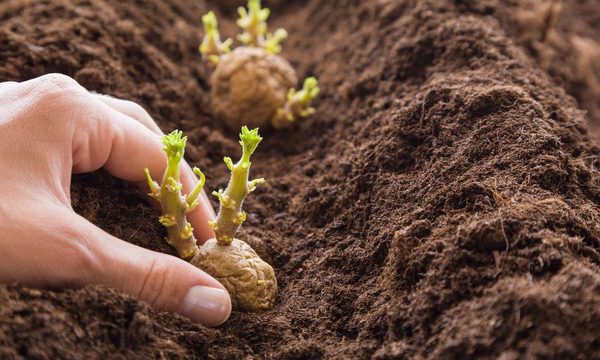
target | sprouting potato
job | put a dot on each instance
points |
(251, 282)
(252, 85)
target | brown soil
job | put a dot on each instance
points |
(442, 203)
(563, 36)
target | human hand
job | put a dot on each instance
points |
(51, 127)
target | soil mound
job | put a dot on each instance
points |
(442, 203)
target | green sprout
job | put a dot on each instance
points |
(297, 104)
(273, 42)
(254, 25)
(211, 45)
(231, 216)
(174, 205)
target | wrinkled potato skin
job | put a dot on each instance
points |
(249, 85)
(250, 281)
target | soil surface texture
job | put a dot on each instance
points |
(443, 202)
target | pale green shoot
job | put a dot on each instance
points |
(174, 205)
(211, 45)
(273, 42)
(298, 104)
(231, 216)
(253, 22)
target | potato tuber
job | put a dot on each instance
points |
(250, 281)
(249, 86)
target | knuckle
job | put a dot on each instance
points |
(140, 114)
(85, 260)
(80, 261)
(56, 90)
(58, 82)
(156, 288)
(136, 108)
(61, 101)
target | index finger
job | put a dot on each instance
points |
(125, 146)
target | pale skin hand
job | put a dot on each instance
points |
(51, 127)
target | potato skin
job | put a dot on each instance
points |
(249, 85)
(250, 281)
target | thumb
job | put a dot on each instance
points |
(161, 280)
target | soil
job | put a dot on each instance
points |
(443, 202)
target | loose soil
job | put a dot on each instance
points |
(443, 202)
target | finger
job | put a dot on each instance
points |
(125, 147)
(160, 280)
(122, 146)
(49, 253)
(204, 212)
(6, 85)
(74, 252)
(131, 109)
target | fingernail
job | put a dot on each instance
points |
(206, 305)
